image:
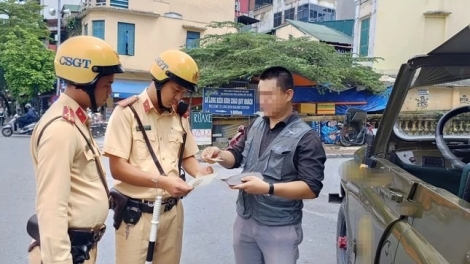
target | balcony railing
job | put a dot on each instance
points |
(413, 125)
(120, 3)
(247, 28)
(93, 3)
(112, 3)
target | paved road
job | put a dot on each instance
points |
(209, 214)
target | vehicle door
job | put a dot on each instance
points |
(440, 232)
(374, 200)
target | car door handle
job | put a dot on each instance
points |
(392, 195)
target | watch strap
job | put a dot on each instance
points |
(271, 188)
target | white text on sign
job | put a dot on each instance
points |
(232, 101)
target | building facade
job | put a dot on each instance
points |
(48, 4)
(242, 7)
(140, 30)
(345, 9)
(398, 30)
(315, 32)
(274, 13)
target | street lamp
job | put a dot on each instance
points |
(53, 12)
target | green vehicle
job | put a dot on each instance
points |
(405, 198)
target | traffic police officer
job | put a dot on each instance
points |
(71, 197)
(174, 73)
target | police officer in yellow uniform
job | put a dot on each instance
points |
(174, 73)
(71, 201)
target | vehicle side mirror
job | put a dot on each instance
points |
(354, 127)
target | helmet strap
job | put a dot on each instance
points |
(90, 90)
(159, 86)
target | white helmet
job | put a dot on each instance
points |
(28, 105)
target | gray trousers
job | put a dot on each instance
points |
(257, 244)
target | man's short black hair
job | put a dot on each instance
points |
(284, 77)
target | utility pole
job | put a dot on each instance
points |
(59, 32)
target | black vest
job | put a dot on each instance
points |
(276, 164)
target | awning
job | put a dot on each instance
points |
(246, 20)
(128, 88)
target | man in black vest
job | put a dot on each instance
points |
(291, 158)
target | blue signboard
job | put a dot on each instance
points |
(229, 101)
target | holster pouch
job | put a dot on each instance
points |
(32, 227)
(132, 212)
(119, 202)
(82, 241)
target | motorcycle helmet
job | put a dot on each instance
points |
(177, 66)
(82, 60)
(27, 105)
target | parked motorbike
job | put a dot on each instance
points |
(9, 129)
(98, 129)
(2, 116)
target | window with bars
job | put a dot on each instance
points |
(302, 13)
(126, 39)
(320, 13)
(119, 3)
(97, 28)
(260, 3)
(192, 38)
(277, 19)
(364, 38)
(289, 14)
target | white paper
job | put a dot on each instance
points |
(215, 159)
(202, 180)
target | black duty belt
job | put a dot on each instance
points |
(147, 206)
(83, 236)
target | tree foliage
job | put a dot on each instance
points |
(74, 26)
(236, 55)
(23, 24)
(29, 66)
(27, 15)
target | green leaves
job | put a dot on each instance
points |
(28, 65)
(235, 55)
(26, 15)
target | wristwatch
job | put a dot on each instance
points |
(271, 188)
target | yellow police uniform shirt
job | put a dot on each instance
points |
(70, 193)
(165, 135)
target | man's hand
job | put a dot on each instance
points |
(253, 185)
(205, 171)
(174, 185)
(210, 152)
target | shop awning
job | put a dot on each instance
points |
(128, 88)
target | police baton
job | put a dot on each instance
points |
(153, 231)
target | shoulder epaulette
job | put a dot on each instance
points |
(68, 114)
(128, 101)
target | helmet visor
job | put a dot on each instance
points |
(108, 70)
(191, 87)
